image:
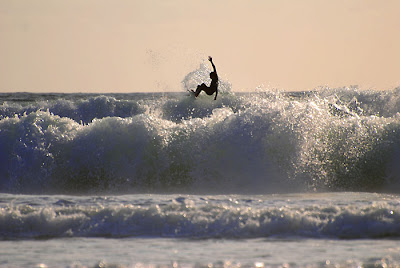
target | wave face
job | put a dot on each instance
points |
(261, 142)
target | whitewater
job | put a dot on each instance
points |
(259, 179)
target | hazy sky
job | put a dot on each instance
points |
(149, 45)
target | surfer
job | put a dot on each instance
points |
(213, 86)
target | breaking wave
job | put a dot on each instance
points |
(261, 142)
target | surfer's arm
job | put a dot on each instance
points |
(216, 94)
(212, 63)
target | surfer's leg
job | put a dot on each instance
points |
(200, 88)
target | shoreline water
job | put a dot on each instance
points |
(166, 230)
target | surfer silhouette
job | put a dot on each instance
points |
(213, 86)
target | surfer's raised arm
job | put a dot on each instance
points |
(212, 63)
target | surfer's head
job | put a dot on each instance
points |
(213, 76)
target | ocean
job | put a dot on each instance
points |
(260, 179)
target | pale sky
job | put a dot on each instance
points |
(150, 45)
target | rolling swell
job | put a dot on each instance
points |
(201, 217)
(339, 139)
